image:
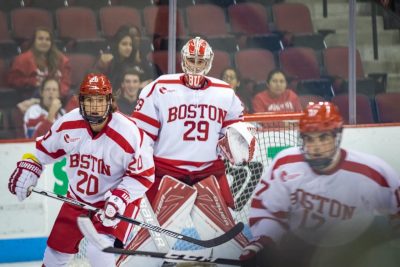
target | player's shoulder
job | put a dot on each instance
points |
(72, 115)
(358, 158)
(217, 83)
(163, 80)
(288, 156)
(122, 122)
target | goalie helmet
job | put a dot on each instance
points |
(95, 85)
(239, 143)
(197, 57)
(320, 119)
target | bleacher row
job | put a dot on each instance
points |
(252, 37)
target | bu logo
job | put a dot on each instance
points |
(163, 90)
(285, 176)
(94, 79)
(68, 139)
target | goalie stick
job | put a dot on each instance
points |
(87, 228)
(204, 243)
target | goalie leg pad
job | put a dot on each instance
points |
(171, 205)
(97, 257)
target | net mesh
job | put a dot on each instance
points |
(274, 132)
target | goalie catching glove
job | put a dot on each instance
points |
(116, 202)
(239, 143)
(24, 176)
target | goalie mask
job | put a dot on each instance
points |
(95, 98)
(239, 143)
(320, 129)
(197, 57)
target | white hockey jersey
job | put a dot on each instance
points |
(118, 156)
(186, 124)
(324, 209)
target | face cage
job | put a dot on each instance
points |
(320, 164)
(94, 119)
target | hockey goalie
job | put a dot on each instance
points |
(195, 122)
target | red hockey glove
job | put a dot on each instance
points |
(24, 176)
(116, 204)
(249, 253)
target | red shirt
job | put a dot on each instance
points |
(23, 72)
(288, 101)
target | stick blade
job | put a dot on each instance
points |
(87, 228)
(234, 231)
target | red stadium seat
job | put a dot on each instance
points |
(255, 64)
(387, 107)
(113, 17)
(364, 113)
(78, 27)
(302, 67)
(81, 64)
(294, 22)
(250, 21)
(214, 28)
(25, 20)
(160, 58)
(336, 66)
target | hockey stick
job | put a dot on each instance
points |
(204, 243)
(87, 228)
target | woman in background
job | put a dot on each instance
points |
(276, 97)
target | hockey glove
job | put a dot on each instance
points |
(24, 176)
(249, 254)
(116, 203)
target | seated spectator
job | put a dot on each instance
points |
(232, 76)
(277, 97)
(129, 91)
(125, 53)
(41, 61)
(39, 117)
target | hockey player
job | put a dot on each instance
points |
(321, 195)
(186, 115)
(109, 165)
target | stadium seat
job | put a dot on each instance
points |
(293, 21)
(160, 58)
(77, 26)
(305, 99)
(3, 72)
(156, 26)
(81, 64)
(214, 28)
(254, 64)
(8, 47)
(9, 98)
(387, 107)
(113, 17)
(221, 61)
(364, 113)
(302, 68)
(250, 21)
(139, 4)
(25, 20)
(336, 66)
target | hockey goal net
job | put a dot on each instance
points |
(274, 132)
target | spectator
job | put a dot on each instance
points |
(129, 91)
(277, 97)
(42, 60)
(232, 76)
(39, 117)
(125, 53)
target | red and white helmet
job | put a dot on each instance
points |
(95, 84)
(319, 118)
(197, 57)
